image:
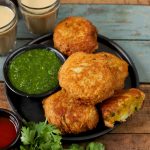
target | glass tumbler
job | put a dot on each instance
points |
(39, 15)
(8, 26)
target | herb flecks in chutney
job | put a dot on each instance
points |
(34, 71)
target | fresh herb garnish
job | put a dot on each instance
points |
(95, 146)
(75, 147)
(43, 136)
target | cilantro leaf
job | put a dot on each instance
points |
(43, 136)
(75, 147)
(40, 136)
(27, 136)
(95, 146)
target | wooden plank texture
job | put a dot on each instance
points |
(125, 141)
(139, 51)
(114, 21)
(138, 2)
(3, 100)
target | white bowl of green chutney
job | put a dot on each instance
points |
(32, 70)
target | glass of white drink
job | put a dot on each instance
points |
(39, 15)
(8, 26)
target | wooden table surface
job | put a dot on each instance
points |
(137, 2)
(129, 26)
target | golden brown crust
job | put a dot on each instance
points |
(87, 78)
(118, 67)
(69, 116)
(75, 34)
(123, 104)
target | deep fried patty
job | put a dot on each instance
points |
(121, 106)
(75, 34)
(118, 67)
(86, 78)
(69, 116)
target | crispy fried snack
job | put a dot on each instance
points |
(118, 66)
(87, 78)
(69, 116)
(75, 34)
(122, 105)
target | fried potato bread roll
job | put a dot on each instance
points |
(87, 78)
(118, 67)
(122, 105)
(69, 116)
(75, 34)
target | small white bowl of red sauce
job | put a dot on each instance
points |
(10, 128)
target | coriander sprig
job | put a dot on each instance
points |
(43, 136)
(40, 136)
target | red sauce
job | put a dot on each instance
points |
(7, 132)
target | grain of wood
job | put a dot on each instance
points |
(3, 99)
(113, 21)
(137, 2)
(125, 141)
(139, 52)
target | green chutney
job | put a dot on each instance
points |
(34, 71)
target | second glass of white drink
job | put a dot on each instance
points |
(8, 26)
(39, 15)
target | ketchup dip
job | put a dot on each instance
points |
(10, 127)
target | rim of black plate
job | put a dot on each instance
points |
(113, 45)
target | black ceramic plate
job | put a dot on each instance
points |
(31, 109)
